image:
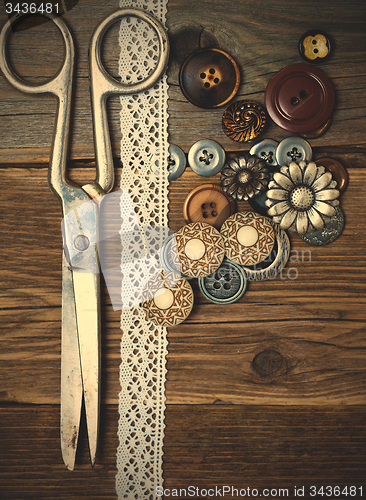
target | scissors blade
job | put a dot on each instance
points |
(71, 381)
(87, 303)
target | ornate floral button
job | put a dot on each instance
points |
(244, 120)
(339, 173)
(209, 78)
(293, 149)
(167, 299)
(331, 231)
(248, 238)
(244, 176)
(176, 162)
(208, 203)
(315, 46)
(302, 197)
(224, 286)
(265, 150)
(199, 249)
(299, 98)
(206, 157)
(272, 265)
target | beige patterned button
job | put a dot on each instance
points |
(199, 249)
(248, 238)
(167, 299)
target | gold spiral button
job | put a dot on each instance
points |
(244, 120)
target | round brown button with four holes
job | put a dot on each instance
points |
(209, 78)
(299, 98)
(208, 203)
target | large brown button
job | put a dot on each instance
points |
(208, 203)
(338, 171)
(243, 120)
(299, 98)
(209, 78)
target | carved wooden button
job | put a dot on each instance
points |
(248, 238)
(244, 120)
(208, 203)
(209, 78)
(339, 173)
(299, 98)
(167, 299)
(200, 249)
(315, 46)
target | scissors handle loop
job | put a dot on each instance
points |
(103, 85)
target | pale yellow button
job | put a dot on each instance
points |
(248, 238)
(199, 249)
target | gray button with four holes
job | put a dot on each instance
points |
(293, 149)
(265, 150)
(226, 285)
(176, 162)
(206, 157)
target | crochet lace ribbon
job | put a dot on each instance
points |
(144, 212)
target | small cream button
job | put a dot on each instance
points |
(163, 298)
(195, 249)
(247, 236)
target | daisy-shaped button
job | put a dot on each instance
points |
(248, 237)
(200, 249)
(302, 197)
(167, 299)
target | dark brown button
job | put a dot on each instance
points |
(319, 131)
(208, 203)
(244, 120)
(338, 171)
(209, 78)
(314, 46)
(299, 98)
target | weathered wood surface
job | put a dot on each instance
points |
(262, 38)
(294, 343)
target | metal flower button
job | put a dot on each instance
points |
(244, 176)
(206, 157)
(302, 197)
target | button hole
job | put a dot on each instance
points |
(295, 101)
(313, 42)
(315, 51)
(205, 215)
(217, 276)
(303, 93)
(227, 286)
(217, 285)
(203, 76)
(212, 205)
(216, 80)
(207, 85)
(227, 277)
(204, 206)
(212, 71)
(214, 213)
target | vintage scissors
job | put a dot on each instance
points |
(80, 331)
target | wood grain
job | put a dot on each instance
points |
(261, 39)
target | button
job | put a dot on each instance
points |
(209, 78)
(332, 230)
(258, 203)
(167, 299)
(208, 203)
(166, 256)
(315, 46)
(206, 157)
(248, 238)
(224, 286)
(319, 131)
(265, 150)
(244, 120)
(299, 98)
(302, 197)
(270, 267)
(199, 249)
(244, 176)
(176, 162)
(339, 173)
(293, 149)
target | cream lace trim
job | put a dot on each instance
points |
(144, 154)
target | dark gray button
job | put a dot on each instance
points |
(332, 230)
(224, 286)
(176, 162)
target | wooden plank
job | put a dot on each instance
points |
(262, 39)
(287, 341)
(205, 446)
